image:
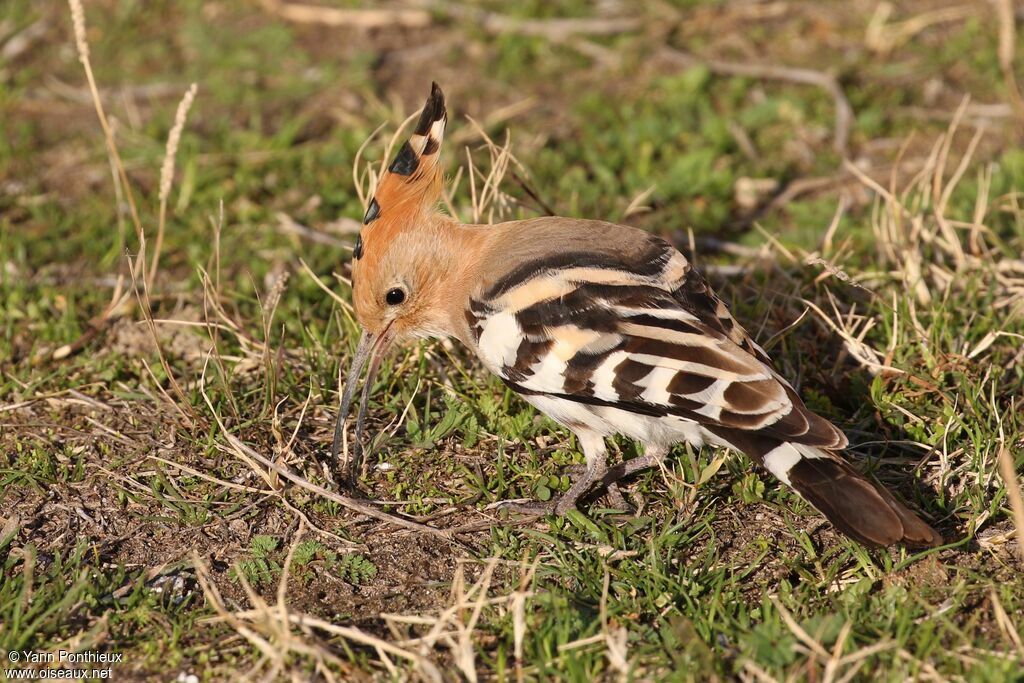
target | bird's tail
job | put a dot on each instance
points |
(858, 507)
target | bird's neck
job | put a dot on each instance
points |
(467, 248)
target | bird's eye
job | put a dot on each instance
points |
(395, 296)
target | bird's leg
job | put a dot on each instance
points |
(652, 457)
(595, 468)
(594, 450)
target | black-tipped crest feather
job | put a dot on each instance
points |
(433, 110)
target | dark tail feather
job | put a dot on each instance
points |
(857, 506)
(854, 504)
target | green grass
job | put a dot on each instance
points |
(115, 484)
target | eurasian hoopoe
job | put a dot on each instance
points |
(605, 328)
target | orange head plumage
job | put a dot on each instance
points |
(402, 248)
(410, 261)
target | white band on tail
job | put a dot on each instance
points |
(780, 460)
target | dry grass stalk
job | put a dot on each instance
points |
(120, 303)
(361, 173)
(752, 672)
(490, 200)
(884, 37)
(615, 637)
(518, 609)
(556, 30)
(265, 467)
(142, 296)
(343, 303)
(1006, 624)
(923, 246)
(1007, 47)
(454, 626)
(1013, 495)
(289, 226)
(120, 299)
(267, 312)
(82, 47)
(853, 329)
(834, 661)
(167, 177)
(450, 627)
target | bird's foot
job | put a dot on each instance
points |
(558, 506)
(582, 478)
(607, 486)
(617, 501)
(530, 508)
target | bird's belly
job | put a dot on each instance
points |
(571, 414)
(608, 421)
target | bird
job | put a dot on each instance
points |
(607, 329)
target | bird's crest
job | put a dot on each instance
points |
(412, 182)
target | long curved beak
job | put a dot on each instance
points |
(371, 347)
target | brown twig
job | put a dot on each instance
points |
(556, 30)
(345, 501)
(355, 18)
(820, 79)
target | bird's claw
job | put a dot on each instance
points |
(531, 508)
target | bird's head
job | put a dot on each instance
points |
(405, 264)
(395, 282)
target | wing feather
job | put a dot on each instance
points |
(654, 340)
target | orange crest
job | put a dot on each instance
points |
(412, 183)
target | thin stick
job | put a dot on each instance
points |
(357, 18)
(557, 30)
(248, 455)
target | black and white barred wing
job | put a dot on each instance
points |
(654, 342)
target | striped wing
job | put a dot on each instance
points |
(648, 337)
